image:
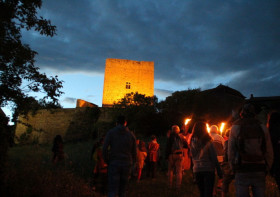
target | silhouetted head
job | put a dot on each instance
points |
(153, 137)
(101, 140)
(121, 120)
(248, 111)
(214, 129)
(175, 129)
(200, 132)
(57, 139)
(142, 146)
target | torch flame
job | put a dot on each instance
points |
(222, 127)
(187, 121)
(208, 128)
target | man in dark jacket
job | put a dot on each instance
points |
(119, 152)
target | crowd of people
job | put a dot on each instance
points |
(246, 152)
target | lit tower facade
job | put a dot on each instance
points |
(126, 76)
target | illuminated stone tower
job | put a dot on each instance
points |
(126, 76)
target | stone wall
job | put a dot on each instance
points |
(44, 125)
(126, 76)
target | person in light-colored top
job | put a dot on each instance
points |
(140, 159)
(204, 159)
(218, 142)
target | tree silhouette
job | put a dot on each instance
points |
(141, 113)
(18, 74)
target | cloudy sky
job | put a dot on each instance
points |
(193, 44)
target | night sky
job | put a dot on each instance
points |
(193, 43)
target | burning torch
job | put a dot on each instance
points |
(208, 127)
(222, 127)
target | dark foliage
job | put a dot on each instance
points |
(213, 105)
(179, 106)
(18, 73)
(141, 113)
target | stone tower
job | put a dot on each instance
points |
(126, 76)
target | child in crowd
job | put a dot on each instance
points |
(140, 160)
(100, 168)
(153, 157)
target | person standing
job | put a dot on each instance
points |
(218, 142)
(57, 149)
(119, 152)
(274, 130)
(204, 158)
(174, 155)
(100, 168)
(228, 173)
(140, 160)
(250, 153)
(186, 163)
(153, 157)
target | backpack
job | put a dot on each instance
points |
(251, 146)
(177, 143)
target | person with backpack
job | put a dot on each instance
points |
(119, 152)
(204, 158)
(250, 153)
(175, 154)
(153, 157)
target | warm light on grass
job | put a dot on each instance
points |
(31, 173)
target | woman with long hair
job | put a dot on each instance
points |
(140, 158)
(204, 159)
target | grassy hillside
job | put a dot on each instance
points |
(31, 173)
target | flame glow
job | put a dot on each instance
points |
(187, 121)
(222, 127)
(208, 128)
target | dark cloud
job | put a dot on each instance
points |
(70, 100)
(235, 43)
(162, 93)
